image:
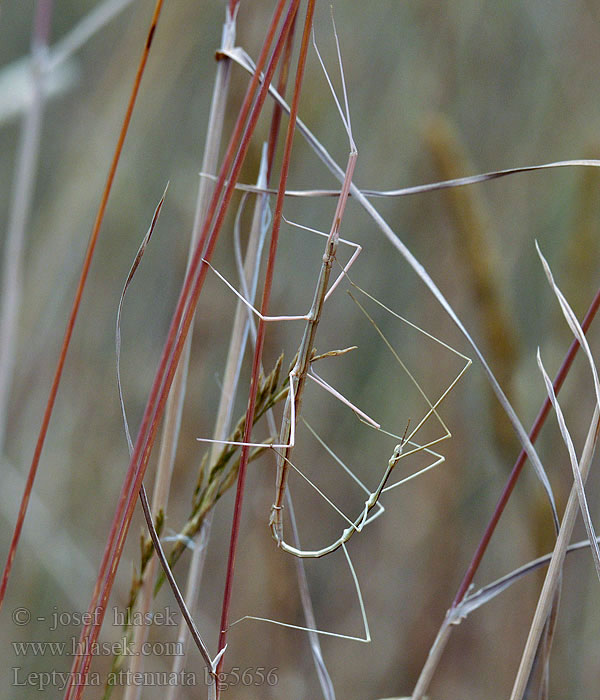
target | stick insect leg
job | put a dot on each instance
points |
(292, 437)
(407, 445)
(367, 634)
(347, 266)
(252, 308)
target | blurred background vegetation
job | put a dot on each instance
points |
(435, 90)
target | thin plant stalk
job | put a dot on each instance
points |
(76, 304)
(437, 649)
(235, 353)
(245, 452)
(561, 375)
(554, 573)
(179, 328)
(237, 342)
(173, 412)
(20, 208)
(169, 574)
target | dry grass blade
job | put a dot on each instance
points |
(582, 340)
(243, 60)
(477, 599)
(574, 324)
(176, 592)
(444, 632)
(143, 497)
(553, 576)
(577, 479)
(215, 478)
(551, 586)
(77, 303)
(130, 276)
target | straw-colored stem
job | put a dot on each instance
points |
(554, 572)
(433, 659)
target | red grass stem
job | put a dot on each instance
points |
(516, 470)
(277, 110)
(235, 526)
(75, 307)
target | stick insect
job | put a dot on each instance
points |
(303, 370)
